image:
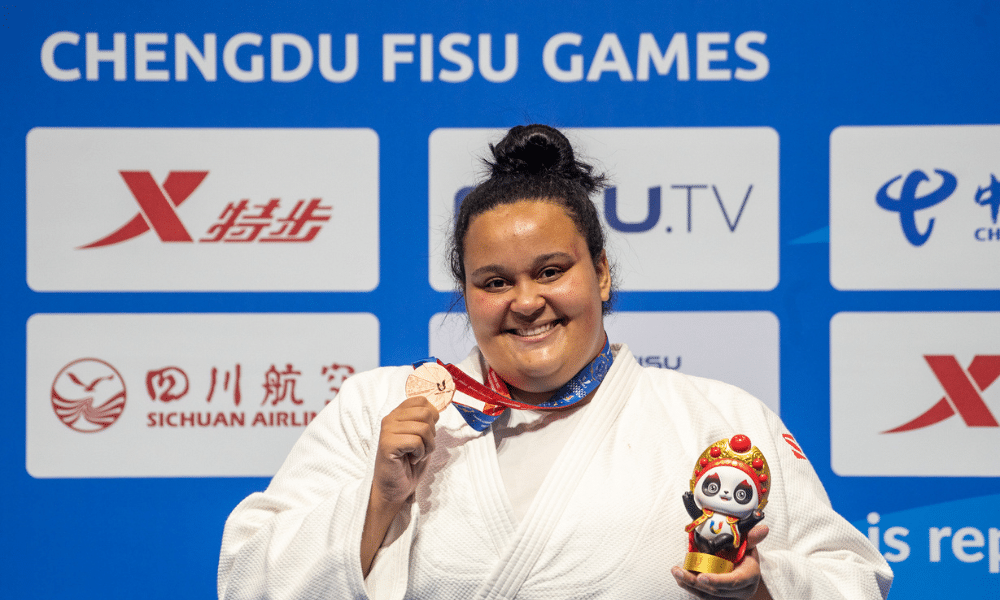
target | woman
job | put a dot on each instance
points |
(385, 497)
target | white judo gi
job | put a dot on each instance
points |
(607, 521)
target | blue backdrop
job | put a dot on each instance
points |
(830, 64)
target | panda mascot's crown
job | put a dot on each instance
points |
(736, 452)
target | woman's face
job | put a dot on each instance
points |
(534, 295)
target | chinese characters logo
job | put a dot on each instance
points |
(909, 202)
(239, 222)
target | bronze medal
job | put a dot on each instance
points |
(432, 381)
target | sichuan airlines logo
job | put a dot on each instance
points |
(963, 389)
(88, 395)
(239, 221)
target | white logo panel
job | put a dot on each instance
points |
(183, 395)
(688, 208)
(914, 208)
(202, 209)
(914, 394)
(740, 348)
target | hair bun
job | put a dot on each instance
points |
(531, 149)
(540, 150)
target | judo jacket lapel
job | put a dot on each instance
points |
(521, 550)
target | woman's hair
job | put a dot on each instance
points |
(533, 162)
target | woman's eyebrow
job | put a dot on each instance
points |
(487, 269)
(544, 258)
(539, 261)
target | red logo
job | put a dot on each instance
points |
(88, 395)
(963, 392)
(336, 375)
(796, 450)
(167, 384)
(240, 222)
(157, 206)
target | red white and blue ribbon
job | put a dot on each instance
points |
(496, 396)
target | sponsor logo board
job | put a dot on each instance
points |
(202, 209)
(687, 208)
(740, 348)
(911, 394)
(183, 395)
(914, 208)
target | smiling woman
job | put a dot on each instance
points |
(534, 296)
(528, 254)
(578, 492)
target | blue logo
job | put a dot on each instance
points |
(993, 199)
(611, 212)
(653, 208)
(908, 203)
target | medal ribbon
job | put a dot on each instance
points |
(497, 397)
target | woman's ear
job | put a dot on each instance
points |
(604, 277)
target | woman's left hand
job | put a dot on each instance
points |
(741, 583)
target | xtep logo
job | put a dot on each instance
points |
(963, 392)
(201, 209)
(908, 202)
(156, 206)
(238, 223)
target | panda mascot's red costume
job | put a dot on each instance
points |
(729, 489)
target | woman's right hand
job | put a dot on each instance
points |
(405, 442)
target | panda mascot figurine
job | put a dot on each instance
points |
(729, 489)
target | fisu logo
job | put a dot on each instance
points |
(653, 209)
(909, 202)
(654, 204)
(706, 197)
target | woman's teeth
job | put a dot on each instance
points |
(535, 330)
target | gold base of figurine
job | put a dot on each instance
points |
(706, 563)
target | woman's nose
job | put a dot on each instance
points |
(527, 299)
